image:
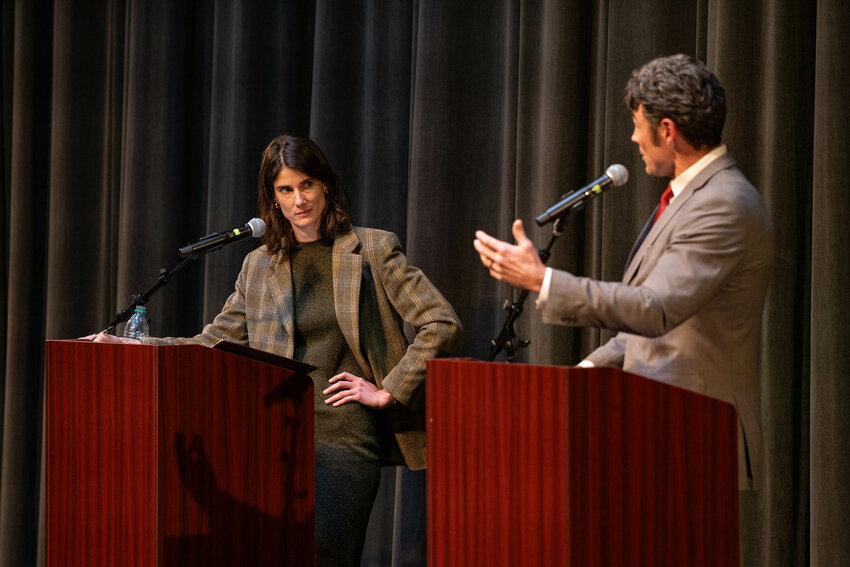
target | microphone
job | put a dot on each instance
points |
(615, 175)
(254, 227)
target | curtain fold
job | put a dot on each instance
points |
(132, 128)
(830, 324)
(28, 81)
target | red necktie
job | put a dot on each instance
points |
(665, 200)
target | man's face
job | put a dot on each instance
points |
(657, 154)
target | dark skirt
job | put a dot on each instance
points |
(345, 493)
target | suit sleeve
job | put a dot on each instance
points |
(697, 261)
(417, 301)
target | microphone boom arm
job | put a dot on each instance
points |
(254, 227)
(140, 299)
(507, 339)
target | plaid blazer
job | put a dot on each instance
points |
(375, 292)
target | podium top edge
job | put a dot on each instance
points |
(224, 346)
(264, 356)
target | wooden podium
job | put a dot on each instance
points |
(177, 455)
(548, 465)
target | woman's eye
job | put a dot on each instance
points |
(308, 183)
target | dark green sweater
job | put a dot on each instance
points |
(350, 431)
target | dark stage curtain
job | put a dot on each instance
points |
(132, 128)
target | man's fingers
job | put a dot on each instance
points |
(488, 247)
(486, 255)
(487, 240)
(480, 248)
(519, 233)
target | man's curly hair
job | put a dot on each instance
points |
(682, 89)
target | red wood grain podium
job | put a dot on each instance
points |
(548, 465)
(177, 455)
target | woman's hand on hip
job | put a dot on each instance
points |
(347, 387)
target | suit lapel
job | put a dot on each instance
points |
(643, 234)
(347, 275)
(280, 285)
(655, 230)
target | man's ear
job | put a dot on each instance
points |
(668, 132)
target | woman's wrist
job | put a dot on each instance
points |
(389, 400)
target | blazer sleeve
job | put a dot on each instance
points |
(437, 329)
(228, 325)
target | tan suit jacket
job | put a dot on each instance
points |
(689, 308)
(375, 292)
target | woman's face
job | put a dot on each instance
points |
(302, 201)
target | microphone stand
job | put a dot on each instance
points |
(141, 299)
(507, 338)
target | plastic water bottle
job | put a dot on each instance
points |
(137, 326)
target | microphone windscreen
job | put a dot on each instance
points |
(618, 174)
(258, 227)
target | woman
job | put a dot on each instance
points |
(336, 296)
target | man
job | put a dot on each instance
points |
(690, 304)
